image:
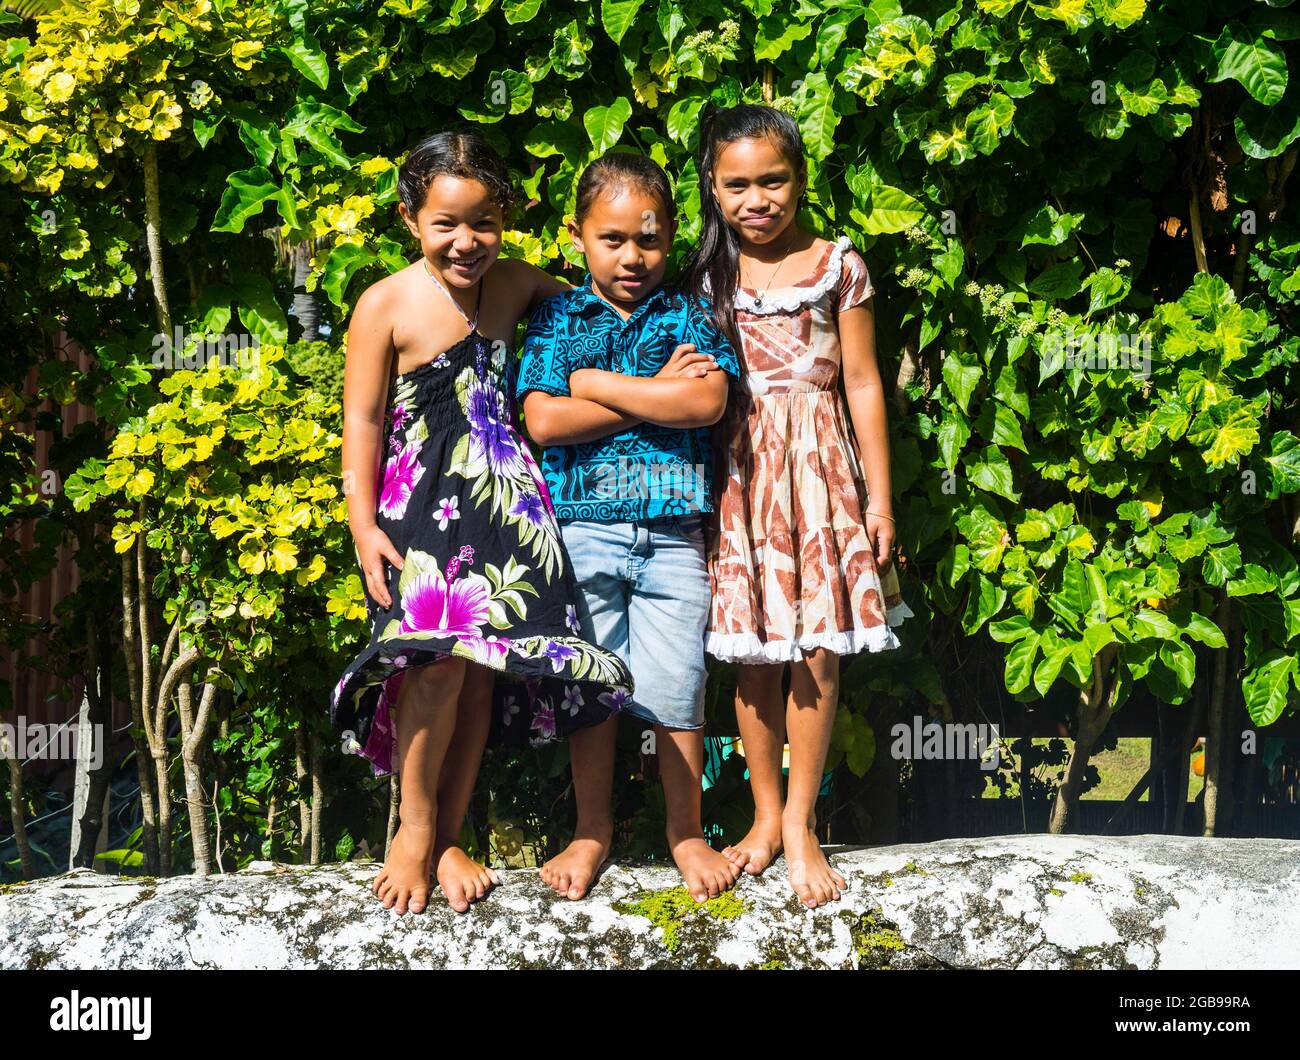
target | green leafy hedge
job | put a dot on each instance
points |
(1036, 187)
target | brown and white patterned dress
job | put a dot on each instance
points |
(790, 564)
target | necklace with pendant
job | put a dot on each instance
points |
(758, 298)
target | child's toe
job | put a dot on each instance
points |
(455, 897)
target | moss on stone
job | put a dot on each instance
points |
(876, 940)
(1081, 877)
(673, 908)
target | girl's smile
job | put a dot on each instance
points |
(459, 229)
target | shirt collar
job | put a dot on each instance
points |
(581, 298)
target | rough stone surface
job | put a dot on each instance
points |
(1033, 901)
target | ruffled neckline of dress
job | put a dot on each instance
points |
(794, 298)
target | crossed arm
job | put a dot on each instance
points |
(689, 391)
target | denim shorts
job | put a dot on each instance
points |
(643, 593)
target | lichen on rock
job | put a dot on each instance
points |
(1032, 901)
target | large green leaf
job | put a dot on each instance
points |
(1284, 462)
(993, 473)
(776, 33)
(309, 60)
(340, 267)
(247, 190)
(818, 115)
(1265, 131)
(604, 125)
(961, 379)
(517, 11)
(1253, 60)
(1020, 662)
(258, 309)
(891, 210)
(1267, 686)
(618, 16)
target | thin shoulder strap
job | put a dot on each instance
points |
(478, 302)
(473, 324)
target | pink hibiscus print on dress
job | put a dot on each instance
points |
(453, 606)
(490, 650)
(402, 471)
(400, 413)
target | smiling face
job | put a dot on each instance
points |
(757, 188)
(626, 240)
(459, 228)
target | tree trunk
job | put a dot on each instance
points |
(153, 239)
(160, 764)
(216, 766)
(100, 717)
(317, 797)
(193, 733)
(1200, 141)
(155, 706)
(1217, 791)
(270, 828)
(134, 681)
(1095, 703)
(162, 755)
(1195, 720)
(306, 304)
(304, 809)
(16, 804)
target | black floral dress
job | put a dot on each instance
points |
(485, 575)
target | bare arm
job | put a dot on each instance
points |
(669, 402)
(555, 420)
(866, 401)
(365, 385)
(542, 285)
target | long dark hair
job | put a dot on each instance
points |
(458, 154)
(717, 255)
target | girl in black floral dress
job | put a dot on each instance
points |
(466, 577)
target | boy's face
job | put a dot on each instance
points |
(459, 228)
(757, 189)
(626, 240)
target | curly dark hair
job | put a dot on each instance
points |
(458, 154)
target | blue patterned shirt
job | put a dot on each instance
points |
(647, 470)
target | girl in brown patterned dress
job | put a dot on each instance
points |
(800, 566)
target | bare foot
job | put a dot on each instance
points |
(571, 871)
(462, 879)
(706, 872)
(403, 882)
(761, 844)
(811, 875)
